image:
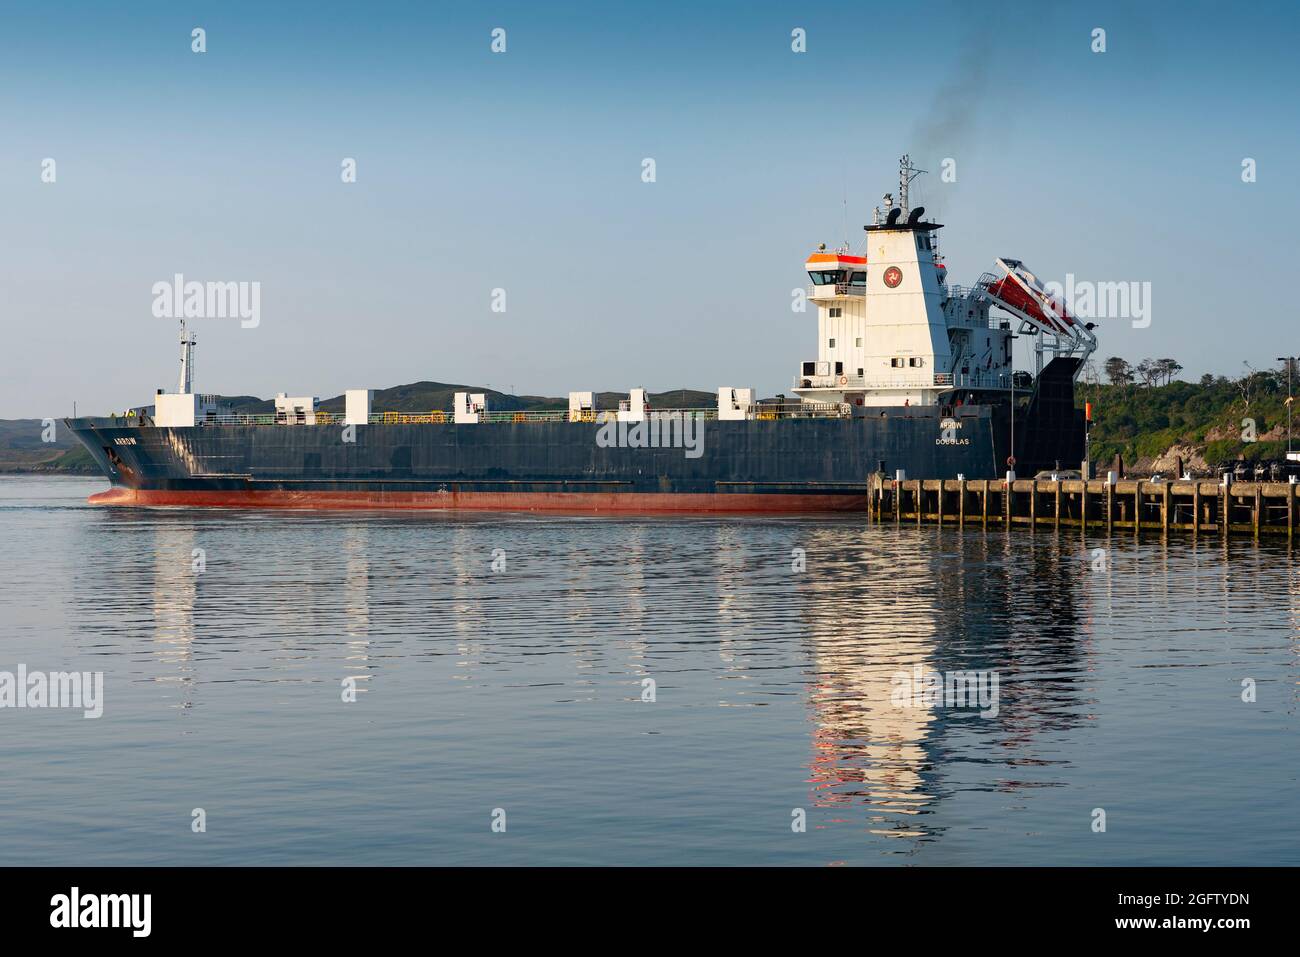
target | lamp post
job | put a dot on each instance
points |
(1011, 459)
(1290, 366)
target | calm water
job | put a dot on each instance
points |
(522, 690)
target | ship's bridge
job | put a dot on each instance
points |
(836, 275)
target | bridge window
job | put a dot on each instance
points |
(858, 279)
(826, 277)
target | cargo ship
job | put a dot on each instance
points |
(913, 376)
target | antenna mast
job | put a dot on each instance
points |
(187, 360)
(906, 173)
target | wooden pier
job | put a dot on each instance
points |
(1196, 506)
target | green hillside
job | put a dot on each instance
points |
(1143, 422)
(23, 448)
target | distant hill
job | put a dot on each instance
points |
(23, 449)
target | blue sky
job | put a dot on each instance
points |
(522, 171)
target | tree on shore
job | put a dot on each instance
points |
(1167, 369)
(1248, 384)
(1118, 371)
(1147, 372)
(1156, 372)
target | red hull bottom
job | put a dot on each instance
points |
(487, 501)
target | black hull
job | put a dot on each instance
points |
(791, 464)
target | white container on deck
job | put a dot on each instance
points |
(735, 404)
(356, 406)
(581, 405)
(470, 406)
(176, 410)
(635, 411)
(295, 409)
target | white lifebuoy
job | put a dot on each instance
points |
(844, 380)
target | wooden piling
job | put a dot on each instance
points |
(1274, 508)
(1291, 512)
(1137, 507)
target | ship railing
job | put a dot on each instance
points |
(831, 382)
(683, 413)
(605, 415)
(981, 380)
(796, 409)
(233, 418)
(825, 291)
(793, 408)
(436, 417)
(938, 380)
(764, 410)
(409, 418)
(852, 383)
(549, 415)
(270, 418)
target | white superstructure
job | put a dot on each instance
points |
(892, 331)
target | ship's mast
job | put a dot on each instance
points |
(906, 173)
(187, 360)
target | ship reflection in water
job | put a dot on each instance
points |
(913, 606)
(665, 691)
(176, 564)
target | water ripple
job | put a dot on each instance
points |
(227, 639)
